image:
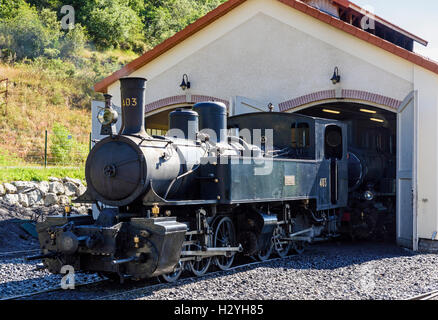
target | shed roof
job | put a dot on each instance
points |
(296, 4)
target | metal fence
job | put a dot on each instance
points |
(70, 151)
(75, 156)
(43, 151)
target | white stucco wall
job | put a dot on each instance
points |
(267, 51)
(427, 85)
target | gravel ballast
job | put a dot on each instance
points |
(325, 272)
(346, 271)
(18, 277)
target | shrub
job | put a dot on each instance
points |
(74, 41)
(8, 8)
(60, 144)
(65, 149)
(29, 33)
(111, 23)
(163, 19)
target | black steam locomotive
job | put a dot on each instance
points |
(212, 188)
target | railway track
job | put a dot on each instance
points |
(17, 254)
(106, 290)
(426, 296)
(49, 290)
(156, 283)
(188, 278)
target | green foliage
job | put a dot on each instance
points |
(39, 174)
(74, 41)
(46, 4)
(31, 28)
(60, 144)
(64, 148)
(165, 18)
(24, 173)
(111, 23)
(7, 159)
(29, 33)
(8, 7)
(55, 70)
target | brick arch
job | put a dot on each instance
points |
(345, 94)
(195, 98)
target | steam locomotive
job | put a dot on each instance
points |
(212, 188)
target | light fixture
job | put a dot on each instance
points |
(107, 116)
(368, 195)
(331, 111)
(336, 77)
(377, 120)
(368, 111)
(185, 84)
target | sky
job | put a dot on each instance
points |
(419, 17)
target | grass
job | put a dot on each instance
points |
(12, 168)
(44, 92)
(39, 174)
(7, 159)
(36, 101)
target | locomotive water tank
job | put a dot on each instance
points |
(213, 117)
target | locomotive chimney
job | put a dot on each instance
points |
(132, 92)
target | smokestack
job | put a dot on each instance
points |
(132, 92)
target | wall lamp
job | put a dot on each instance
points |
(336, 77)
(185, 84)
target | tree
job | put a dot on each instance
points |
(29, 33)
(165, 18)
(8, 8)
(112, 23)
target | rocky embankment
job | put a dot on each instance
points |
(34, 201)
(55, 192)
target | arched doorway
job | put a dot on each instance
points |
(157, 121)
(384, 130)
(157, 112)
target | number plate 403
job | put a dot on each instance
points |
(129, 102)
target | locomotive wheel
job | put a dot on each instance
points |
(174, 276)
(264, 255)
(299, 246)
(281, 247)
(53, 265)
(224, 236)
(198, 267)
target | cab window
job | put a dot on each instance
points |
(300, 135)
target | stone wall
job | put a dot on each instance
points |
(55, 192)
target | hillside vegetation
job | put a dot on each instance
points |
(52, 66)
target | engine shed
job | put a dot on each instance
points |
(328, 59)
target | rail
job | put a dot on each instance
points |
(426, 296)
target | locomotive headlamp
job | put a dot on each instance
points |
(107, 116)
(368, 195)
(336, 77)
